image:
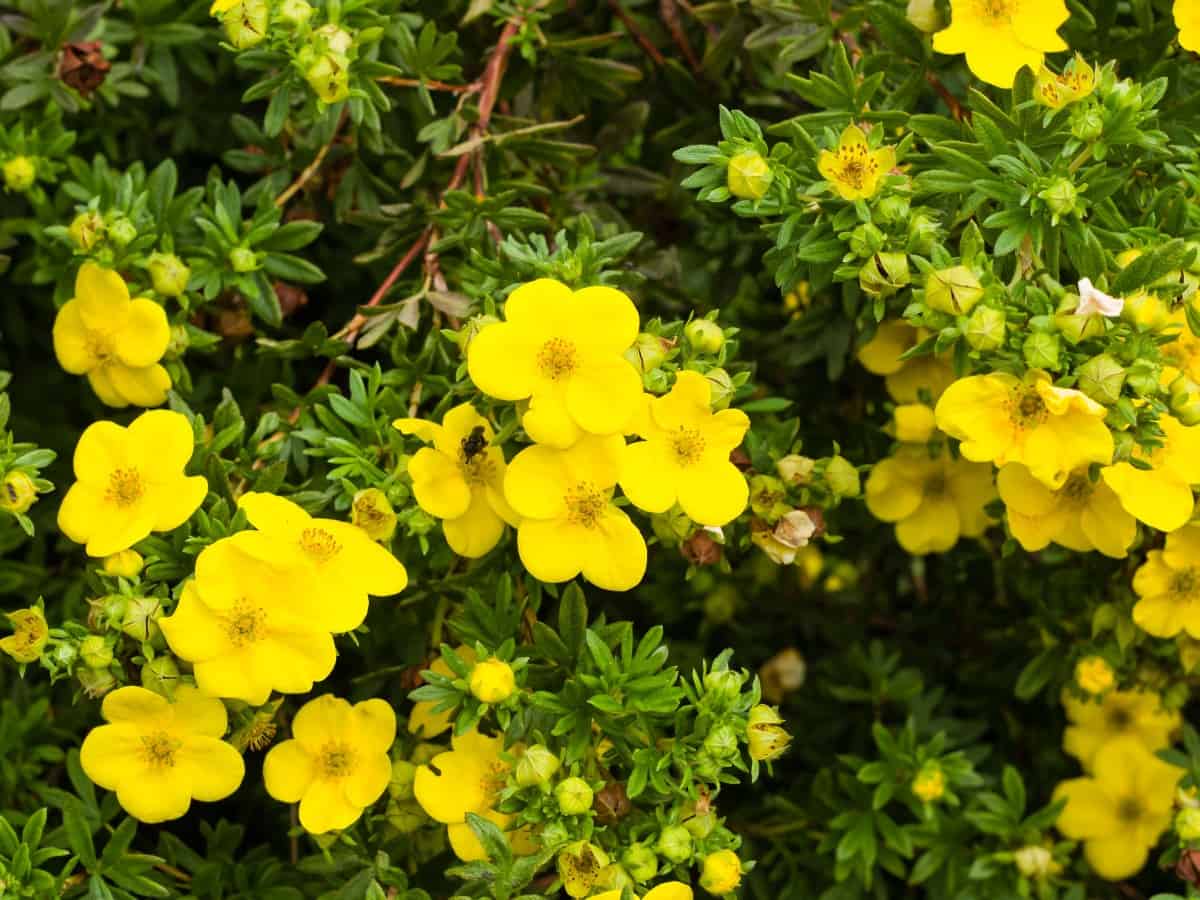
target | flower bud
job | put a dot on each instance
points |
(1077, 328)
(723, 684)
(721, 742)
(721, 872)
(372, 512)
(141, 618)
(648, 352)
(17, 493)
(125, 564)
(640, 862)
(866, 240)
(913, 423)
(1187, 825)
(246, 23)
(892, 209)
(1102, 378)
(930, 783)
(765, 733)
(161, 675)
(1041, 350)
(95, 652)
(922, 234)
(884, 274)
(122, 232)
(243, 259)
(795, 469)
(404, 773)
(329, 77)
(612, 879)
(672, 527)
(1087, 123)
(748, 176)
(782, 674)
(179, 342)
(168, 274)
(536, 766)
(492, 681)
(20, 173)
(1094, 675)
(955, 290)
(1185, 400)
(86, 230)
(842, 477)
(924, 16)
(579, 866)
(1060, 196)
(335, 38)
(29, 637)
(406, 818)
(767, 497)
(675, 844)
(721, 387)
(985, 328)
(704, 335)
(95, 682)
(294, 12)
(1035, 861)
(1143, 377)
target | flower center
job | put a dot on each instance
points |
(476, 468)
(493, 781)
(1129, 809)
(99, 345)
(125, 487)
(997, 11)
(158, 749)
(319, 544)
(1027, 409)
(856, 165)
(1119, 719)
(936, 486)
(585, 503)
(245, 624)
(1184, 582)
(336, 760)
(1078, 489)
(688, 445)
(557, 359)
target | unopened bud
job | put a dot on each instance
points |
(329, 77)
(924, 15)
(161, 675)
(721, 742)
(884, 274)
(1041, 350)
(892, 209)
(335, 38)
(723, 684)
(648, 352)
(492, 681)
(86, 230)
(1087, 123)
(141, 618)
(243, 259)
(675, 844)
(168, 274)
(913, 423)
(985, 328)
(704, 335)
(955, 290)
(95, 652)
(721, 872)
(748, 176)
(1094, 675)
(842, 477)
(922, 234)
(795, 469)
(640, 862)
(125, 564)
(294, 12)
(536, 766)
(372, 512)
(95, 682)
(1060, 196)
(721, 386)
(122, 232)
(1035, 861)
(1102, 379)
(866, 240)
(17, 493)
(930, 783)
(1187, 825)
(20, 173)
(246, 23)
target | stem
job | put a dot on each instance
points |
(1084, 155)
(311, 169)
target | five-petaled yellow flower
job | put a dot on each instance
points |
(466, 779)
(116, 342)
(569, 524)
(1120, 811)
(249, 628)
(1119, 714)
(1187, 20)
(1161, 496)
(999, 418)
(934, 500)
(159, 755)
(338, 561)
(1168, 584)
(852, 168)
(563, 350)
(1081, 515)
(685, 455)
(30, 633)
(336, 764)
(130, 482)
(460, 479)
(1078, 80)
(1000, 36)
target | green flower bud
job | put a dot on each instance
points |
(168, 274)
(701, 824)
(866, 240)
(1060, 196)
(842, 478)
(107, 612)
(62, 655)
(672, 527)
(723, 684)
(704, 335)
(243, 259)
(721, 386)
(246, 23)
(554, 834)
(924, 16)
(574, 796)
(1076, 328)
(1041, 350)
(329, 77)
(1143, 377)
(537, 766)
(1102, 378)
(122, 232)
(17, 492)
(20, 173)
(334, 38)
(748, 176)
(985, 328)
(675, 844)
(1187, 824)
(492, 681)
(1087, 122)
(721, 742)
(404, 773)
(95, 682)
(955, 290)
(648, 352)
(922, 234)
(1185, 400)
(95, 652)
(884, 274)
(640, 862)
(892, 209)
(406, 818)
(141, 618)
(294, 12)
(161, 675)
(86, 230)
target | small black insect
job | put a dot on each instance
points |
(474, 443)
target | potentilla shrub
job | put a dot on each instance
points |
(618, 449)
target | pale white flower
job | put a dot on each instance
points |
(1093, 300)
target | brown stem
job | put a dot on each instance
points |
(669, 11)
(312, 168)
(432, 85)
(956, 108)
(636, 33)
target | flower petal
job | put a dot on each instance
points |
(214, 768)
(375, 725)
(604, 395)
(155, 795)
(288, 771)
(193, 632)
(650, 477)
(1090, 811)
(438, 484)
(273, 514)
(604, 320)
(451, 786)
(552, 550)
(198, 713)
(72, 344)
(536, 482)
(144, 335)
(478, 530)
(164, 440)
(103, 297)
(177, 500)
(140, 387)
(1152, 496)
(615, 557)
(107, 751)
(324, 807)
(502, 361)
(713, 494)
(369, 780)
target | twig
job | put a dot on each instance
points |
(956, 108)
(669, 11)
(431, 85)
(636, 33)
(312, 168)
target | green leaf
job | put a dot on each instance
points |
(572, 619)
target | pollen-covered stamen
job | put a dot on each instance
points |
(557, 359)
(125, 487)
(996, 10)
(1078, 489)
(319, 544)
(336, 760)
(585, 504)
(1027, 409)
(1129, 809)
(1184, 582)
(159, 748)
(688, 444)
(935, 486)
(856, 164)
(1119, 719)
(479, 469)
(245, 624)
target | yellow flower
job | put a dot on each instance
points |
(337, 562)
(492, 681)
(1168, 584)
(721, 872)
(1080, 515)
(852, 168)
(159, 755)
(336, 764)
(569, 524)
(29, 636)
(933, 500)
(1121, 810)
(905, 378)
(130, 482)
(372, 512)
(563, 350)
(1094, 675)
(1120, 714)
(467, 779)
(248, 629)
(1187, 20)
(685, 455)
(1077, 81)
(460, 479)
(222, 6)
(115, 341)
(424, 721)
(1161, 496)
(999, 37)
(929, 784)
(1053, 431)
(765, 734)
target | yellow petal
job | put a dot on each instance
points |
(536, 482)
(325, 807)
(552, 550)
(1163, 615)
(604, 395)
(933, 528)
(1090, 811)
(1152, 496)
(974, 410)
(155, 795)
(502, 361)
(140, 387)
(72, 343)
(649, 477)
(100, 379)
(164, 440)
(463, 841)
(1115, 857)
(1036, 24)
(231, 675)
(103, 297)
(426, 431)
(107, 752)
(1022, 492)
(894, 489)
(82, 512)
(121, 528)
(144, 335)
(615, 559)
(438, 484)
(542, 303)
(103, 448)
(457, 425)
(193, 632)
(451, 786)
(604, 321)
(1065, 443)
(1106, 523)
(548, 419)
(288, 771)
(713, 494)
(374, 726)
(477, 531)
(176, 500)
(215, 769)
(595, 459)
(669, 890)
(369, 780)
(881, 354)
(198, 713)
(273, 514)
(425, 723)
(321, 720)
